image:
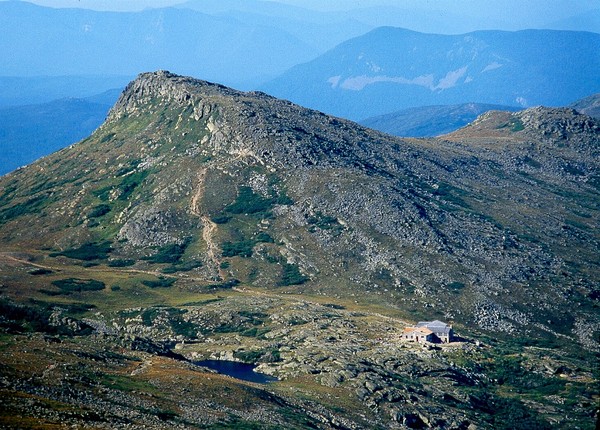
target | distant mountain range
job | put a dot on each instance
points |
(32, 131)
(390, 69)
(22, 90)
(44, 41)
(427, 121)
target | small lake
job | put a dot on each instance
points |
(237, 370)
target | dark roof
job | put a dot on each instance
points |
(438, 327)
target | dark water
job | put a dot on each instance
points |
(237, 370)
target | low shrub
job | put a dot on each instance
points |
(160, 283)
(121, 263)
(182, 267)
(291, 275)
(73, 285)
(171, 253)
(87, 252)
(99, 211)
(242, 248)
(40, 271)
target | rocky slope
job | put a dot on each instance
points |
(191, 188)
(588, 105)
(429, 121)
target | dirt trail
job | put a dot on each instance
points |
(26, 262)
(210, 228)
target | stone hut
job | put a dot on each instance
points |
(418, 334)
(429, 331)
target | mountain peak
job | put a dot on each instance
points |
(542, 123)
(160, 84)
(558, 121)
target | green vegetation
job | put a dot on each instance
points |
(221, 219)
(130, 183)
(73, 285)
(291, 275)
(40, 271)
(248, 202)
(203, 302)
(32, 205)
(324, 222)
(121, 263)
(507, 413)
(20, 318)
(456, 286)
(107, 137)
(87, 252)
(171, 253)
(182, 267)
(258, 356)
(257, 332)
(35, 317)
(160, 283)
(451, 195)
(242, 248)
(225, 285)
(514, 125)
(99, 211)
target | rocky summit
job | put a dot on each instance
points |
(200, 222)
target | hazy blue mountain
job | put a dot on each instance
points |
(417, 15)
(589, 105)
(42, 89)
(32, 131)
(587, 21)
(44, 41)
(428, 121)
(390, 69)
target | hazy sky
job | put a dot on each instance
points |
(476, 14)
(475, 6)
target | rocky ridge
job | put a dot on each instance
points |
(410, 220)
(191, 188)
